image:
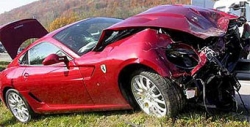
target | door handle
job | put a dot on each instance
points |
(25, 75)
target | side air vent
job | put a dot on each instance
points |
(34, 97)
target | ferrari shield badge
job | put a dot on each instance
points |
(103, 68)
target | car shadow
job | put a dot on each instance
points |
(96, 113)
(186, 114)
(9, 122)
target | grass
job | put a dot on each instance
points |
(189, 117)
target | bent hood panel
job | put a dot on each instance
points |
(200, 22)
(12, 35)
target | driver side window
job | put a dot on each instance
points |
(38, 53)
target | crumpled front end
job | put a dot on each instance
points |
(203, 68)
(199, 51)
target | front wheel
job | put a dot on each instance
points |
(18, 106)
(155, 95)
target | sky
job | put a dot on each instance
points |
(7, 5)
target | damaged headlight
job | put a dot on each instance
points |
(182, 56)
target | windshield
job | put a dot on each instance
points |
(82, 37)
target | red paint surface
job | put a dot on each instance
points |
(84, 86)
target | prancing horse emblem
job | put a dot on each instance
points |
(103, 67)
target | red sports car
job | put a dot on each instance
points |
(155, 60)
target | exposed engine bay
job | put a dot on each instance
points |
(206, 67)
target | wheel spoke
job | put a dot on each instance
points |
(156, 96)
(138, 83)
(138, 94)
(20, 101)
(159, 101)
(148, 83)
(12, 105)
(152, 88)
(154, 110)
(12, 101)
(26, 112)
(15, 108)
(24, 108)
(142, 83)
(140, 100)
(157, 111)
(15, 97)
(159, 107)
(137, 89)
(19, 114)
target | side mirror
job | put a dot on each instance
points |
(54, 58)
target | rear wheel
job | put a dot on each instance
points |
(18, 106)
(155, 95)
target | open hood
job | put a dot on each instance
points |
(200, 22)
(12, 35)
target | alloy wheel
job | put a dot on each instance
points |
(18, 106)
(148, 96)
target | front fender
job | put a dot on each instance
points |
(155, 64)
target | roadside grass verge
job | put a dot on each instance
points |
(189, 117)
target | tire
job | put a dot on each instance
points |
(156, 95)
(18, 106)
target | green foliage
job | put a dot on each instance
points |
(63, 20)
(127, 119)
(3, 65)
(27, 43)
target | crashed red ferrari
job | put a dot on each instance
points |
(157, 61)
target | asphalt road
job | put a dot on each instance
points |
(245, 94)
(5, 57)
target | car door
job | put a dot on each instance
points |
(55, 84)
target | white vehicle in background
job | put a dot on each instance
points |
(226, 6)
(223, 5)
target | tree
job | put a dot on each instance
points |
(63, 20)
